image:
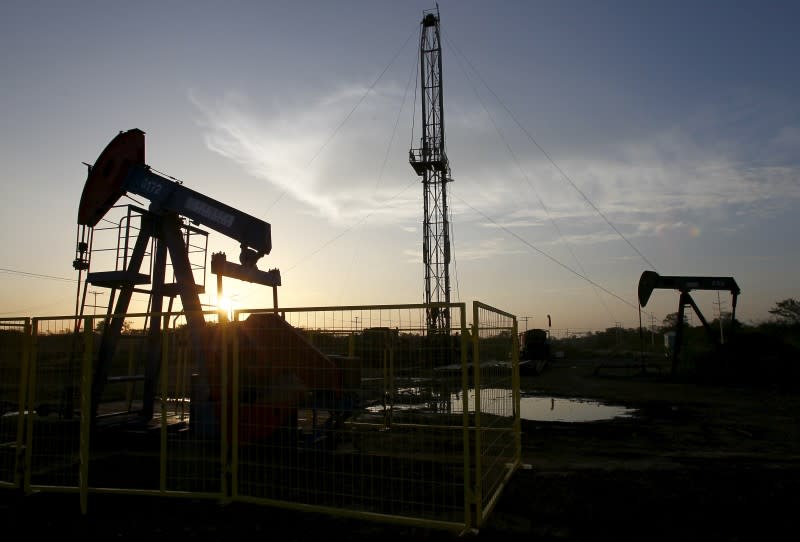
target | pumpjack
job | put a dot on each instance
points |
(173, 215)
(650, 280)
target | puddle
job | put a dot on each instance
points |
(555, 409)
(499, 402)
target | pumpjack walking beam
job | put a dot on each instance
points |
(650, 280)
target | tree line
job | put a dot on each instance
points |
(769, 350)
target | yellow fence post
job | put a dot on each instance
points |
(162, 482)
(224, 445)
(86, 407)
(466, 344)
(476, 382)
(130, 384)
(29, 409)
(235, 411)
(23, 413)
(351, 344)
(515, 391)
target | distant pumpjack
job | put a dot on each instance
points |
(650, 280)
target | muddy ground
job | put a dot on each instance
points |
(696, 462)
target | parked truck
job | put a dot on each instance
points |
(534, 353)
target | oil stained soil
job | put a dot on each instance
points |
(696, 462)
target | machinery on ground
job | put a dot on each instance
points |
(650, 280)
(164, 235)
(534, 353)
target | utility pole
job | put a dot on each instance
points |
(719, 315)
(526, 318)
(430, 162)
(653, 330)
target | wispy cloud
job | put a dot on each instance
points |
(275, 152)
(487, 249)
(736, 157)
(646, 187)
(310, 154)
(474, 250)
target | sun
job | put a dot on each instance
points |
(225, 304)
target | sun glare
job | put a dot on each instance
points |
(225, 304)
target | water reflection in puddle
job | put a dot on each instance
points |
(499, 402)
(554, 409)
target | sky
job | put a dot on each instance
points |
(588, 141)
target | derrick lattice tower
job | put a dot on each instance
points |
(430, 162)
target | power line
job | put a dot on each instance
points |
(552, 162)
(35, 275)
(548, 256)
(95, 293)
(349, 228)
(17, 312)
(453, 251)
(360, 101)
(383, 167)
(350, 114)
(526, 177)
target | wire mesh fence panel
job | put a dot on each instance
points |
(14, 344)
(150, 430)
(138, 401)
(54, 403)
(364, 410)
(123, 444)
(350, 408)
(496, 401)
(190, 408)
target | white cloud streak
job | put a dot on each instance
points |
(645, 188)
(303, 155)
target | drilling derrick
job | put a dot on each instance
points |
(430, 162)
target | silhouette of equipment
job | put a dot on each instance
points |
(534, 354)
(119, 170)
(650, 280)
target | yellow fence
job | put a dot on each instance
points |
(14, 354)
(358, 411)
(496, 403)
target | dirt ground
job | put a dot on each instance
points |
(696, 462)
